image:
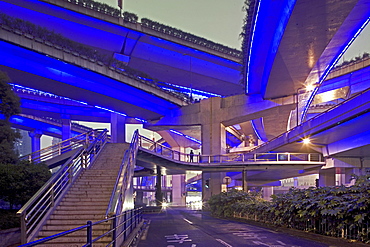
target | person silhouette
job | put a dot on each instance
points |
(191, 156)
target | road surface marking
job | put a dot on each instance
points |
(178, 238)
(223, 242)
(280, 242)
(190, 222)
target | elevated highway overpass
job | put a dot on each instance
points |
(102, 90)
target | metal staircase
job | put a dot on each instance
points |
(88, 201)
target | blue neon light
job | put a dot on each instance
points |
(251, 45)
(186, 136)
(329, 67)
(194, 91)
(16, 86)
(106, 109)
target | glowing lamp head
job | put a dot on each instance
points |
(306, 141)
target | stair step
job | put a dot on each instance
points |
(76, 204)
(66, 227)
(77, 217)
(85, 199)
(80, 234)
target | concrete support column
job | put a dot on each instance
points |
(213, 143)
(327, 177)
(268, 191)
(139, 199)
(178, 190)
(178, 185)
(244, 181)
(295, 182)
(66, 127)
(118, 128)
(35, 140)
(158, 188)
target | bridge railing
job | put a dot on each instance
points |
(121, 198)
(34, 213)
(313, 119)
(82, 140)
(241, 157)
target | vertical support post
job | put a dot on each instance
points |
(89, 234)
(158, 191)
(124, 226)
(245, 184)
(52, 195)
(23, 228)
(114, 233)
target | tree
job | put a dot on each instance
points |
(9, 106)
(19, 182)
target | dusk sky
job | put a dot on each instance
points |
(217, 20)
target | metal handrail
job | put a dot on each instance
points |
(34, 213)
(123, 179)
(131, 219)
(237, 157)
(61, 147)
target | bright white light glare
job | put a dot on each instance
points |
(310, 87)
(306, 141)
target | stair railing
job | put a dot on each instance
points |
(37, 210)
(121, 198)
(57, 149)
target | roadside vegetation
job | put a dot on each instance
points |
(19, 180)
(338, 211)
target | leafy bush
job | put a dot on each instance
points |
(336, 211)
(18, 183)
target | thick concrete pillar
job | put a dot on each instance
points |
(213, 143)
(158, 190)
(178, 190)
(35, 140)
(139, 199)
(295, 182)
(244, 181)
(178, 185)
(118, 128)
(66, 127)
(268, 191)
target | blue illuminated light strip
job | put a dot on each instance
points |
(251, 45)
(256, 131)
(329, 67)
(16, 86)
(203, 93)
(186, 136)
(106, 109)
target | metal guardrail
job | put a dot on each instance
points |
(118, 201)
(82, 140)
(34, 213)
(129, 220)
(240, 157)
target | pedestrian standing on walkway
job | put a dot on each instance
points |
(191, 156)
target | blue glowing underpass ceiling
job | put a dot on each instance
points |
(41, 72)
(162, 59)
(298, 39)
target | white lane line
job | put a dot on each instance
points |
(223, 242)
(280, 242)
(190, 222)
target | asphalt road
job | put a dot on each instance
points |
(186, 228)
